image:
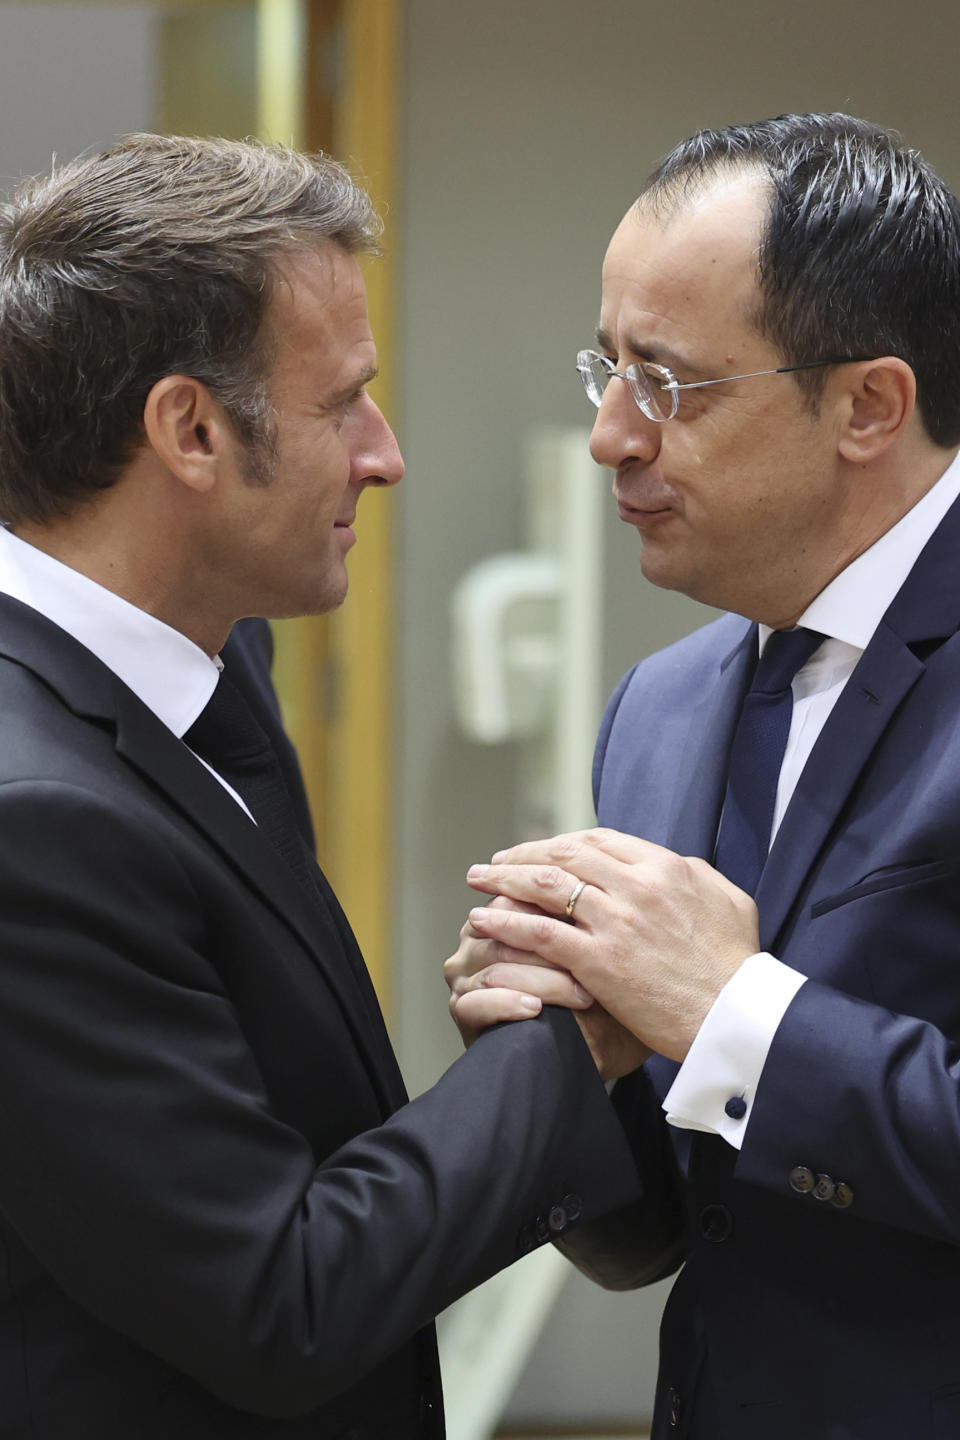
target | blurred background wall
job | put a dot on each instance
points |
(521, 131)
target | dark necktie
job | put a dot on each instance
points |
(756, 756)
(227, 735)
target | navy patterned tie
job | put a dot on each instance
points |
(756, 756)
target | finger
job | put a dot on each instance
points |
(504, 902)
(477, 954)
(572, 857)
(536, 934)
(534, 889)
(581, 845)
(548, 983)
(479, 1009)
(499, 902)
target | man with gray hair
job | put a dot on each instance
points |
(219, 1217)
(772, 911)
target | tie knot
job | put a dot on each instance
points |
(226, 734)
(785, 652)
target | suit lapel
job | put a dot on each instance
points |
(706, 749)
(147, 745)
(247, 656)
(95, 694)
(886, 673)
(924, 613)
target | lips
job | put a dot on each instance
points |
(637, 514)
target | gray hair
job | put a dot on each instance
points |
(156, 257)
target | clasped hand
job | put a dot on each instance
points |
(652, 940)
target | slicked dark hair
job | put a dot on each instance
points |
(861, 251)
(154, 258)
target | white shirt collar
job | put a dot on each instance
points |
(851, 607)
(169, 673)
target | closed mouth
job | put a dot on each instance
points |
(627, 510)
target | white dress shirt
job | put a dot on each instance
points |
(171, 675)
(731, 1047)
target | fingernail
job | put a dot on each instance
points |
(500, 856)
(582, 994)
(478, 917)
(477, 872)
(531, 1003)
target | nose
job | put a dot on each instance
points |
(376, 457)
(621, 432)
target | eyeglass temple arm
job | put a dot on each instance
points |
(752, 374)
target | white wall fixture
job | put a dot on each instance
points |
(526, 634)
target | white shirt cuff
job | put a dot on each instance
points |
(717, 1083)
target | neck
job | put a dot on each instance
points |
(150, 564)
(879, 498)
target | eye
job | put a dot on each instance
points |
(659, 375)
(347, 404)
(339, 410)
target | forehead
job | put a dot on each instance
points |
(679, 280)
(317, 311)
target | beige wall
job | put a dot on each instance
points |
(71, 76)
(528, 128)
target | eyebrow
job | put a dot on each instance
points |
(363, 379)
(656, 353)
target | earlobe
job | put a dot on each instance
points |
(879, 404)
(185, 429)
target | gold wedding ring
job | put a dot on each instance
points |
(575, 894)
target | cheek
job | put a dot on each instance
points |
(320, 462)
(705, 464)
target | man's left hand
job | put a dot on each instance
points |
(655, 937)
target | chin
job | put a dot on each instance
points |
(330, 597)
(669, 570)
(665, 576)
(312, 598)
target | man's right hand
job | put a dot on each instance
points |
(491, 983)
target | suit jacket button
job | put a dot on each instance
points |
(716, 1223)
(802, 1179)
(573, 1206)
(825, 1188)
(557, 1220)
(842, 1196)
(673, 1408)
(736, 1107)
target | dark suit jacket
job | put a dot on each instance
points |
(218, 1217)
(816, 1321)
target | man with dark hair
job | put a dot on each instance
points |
(218, 1216)
(773, 909)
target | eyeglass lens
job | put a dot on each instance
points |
(596, 372)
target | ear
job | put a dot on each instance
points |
(880, 400)
(187, 430)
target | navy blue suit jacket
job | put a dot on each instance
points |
(802, 1318)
